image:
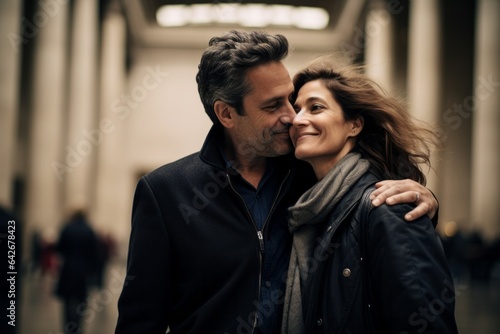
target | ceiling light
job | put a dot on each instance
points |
(225, 13)
(310, 18)
(282, 15)
(201, 14)
(246, 15)
(253, 15)
(173, 15)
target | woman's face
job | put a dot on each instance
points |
(319, 131)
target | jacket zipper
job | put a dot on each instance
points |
(260, 235)
(261, 242)
(275, 200)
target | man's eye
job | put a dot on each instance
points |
(272, 107)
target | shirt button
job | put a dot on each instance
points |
(346, 272)
(268, 284)
(319, 322)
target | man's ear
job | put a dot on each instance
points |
(357, 125)
(225, 113)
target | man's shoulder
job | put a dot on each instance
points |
(177, 164)
(188, 167)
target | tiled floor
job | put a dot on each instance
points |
(477, 306)
(41, 311)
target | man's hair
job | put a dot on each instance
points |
(393, 142)
(223, 66)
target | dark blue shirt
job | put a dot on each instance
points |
(276, 244)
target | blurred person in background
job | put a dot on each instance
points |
(78, 247)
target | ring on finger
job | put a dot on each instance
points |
(417, 197)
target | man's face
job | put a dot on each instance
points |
(263, 129)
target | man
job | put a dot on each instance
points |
(209, 246)
(77, 245)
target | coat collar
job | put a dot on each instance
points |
(350, 201)
(210, 151)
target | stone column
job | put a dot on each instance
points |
(43, 185)
(424, 67)
(10, 53)
(379, 51)
(112, 208)
(456, 117)
(486, 121)
(81, 141)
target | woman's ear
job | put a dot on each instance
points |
(357, 125)
(224, 113)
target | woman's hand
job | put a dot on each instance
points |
(406, 191)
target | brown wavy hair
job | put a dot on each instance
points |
(395, 143)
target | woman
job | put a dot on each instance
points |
(356, 268)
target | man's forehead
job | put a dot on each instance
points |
(270, 82)
(268, 70)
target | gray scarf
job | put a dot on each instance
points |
(312, 208)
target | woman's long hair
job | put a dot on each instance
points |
(395, 143)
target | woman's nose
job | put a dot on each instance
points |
(299, 119)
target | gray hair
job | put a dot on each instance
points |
(223, 66)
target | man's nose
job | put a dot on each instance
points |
(288, 115)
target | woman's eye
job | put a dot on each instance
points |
(316, 107)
